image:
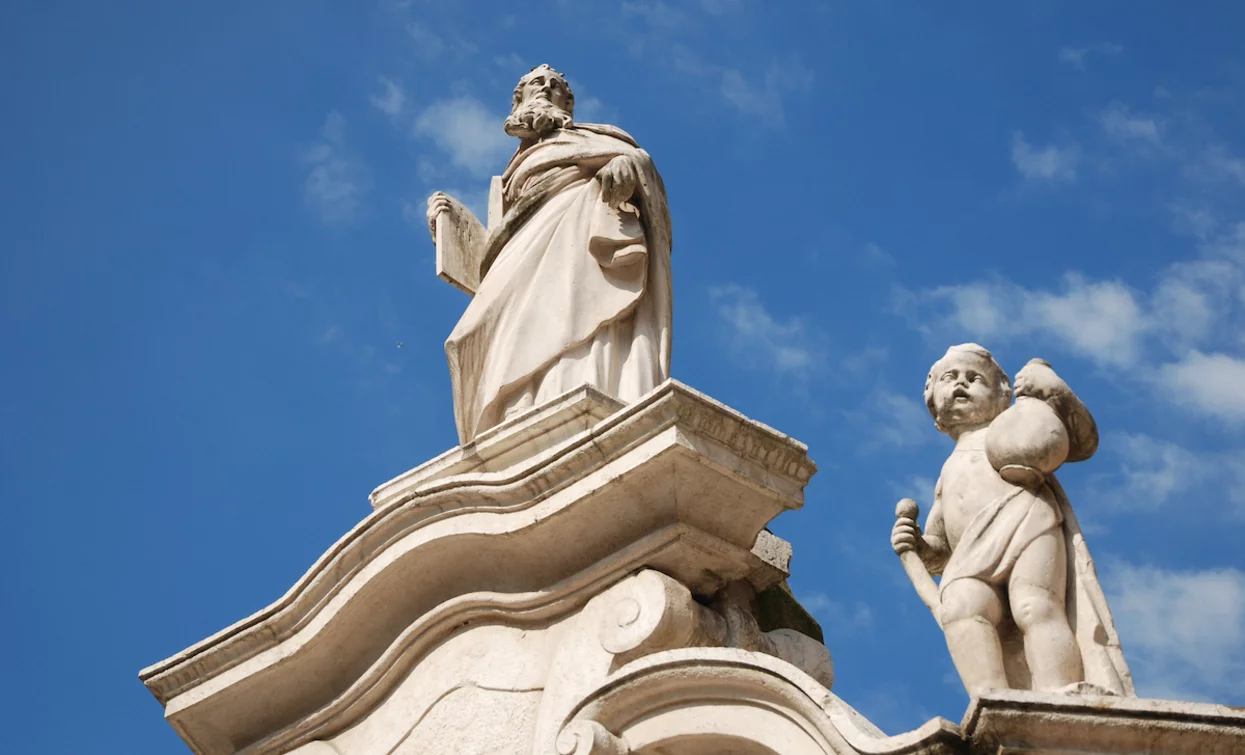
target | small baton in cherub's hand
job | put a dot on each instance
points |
(926, 589)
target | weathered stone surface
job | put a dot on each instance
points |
(571, 278)
(1010, 722)
(1019, 600)
(777, 608)
(480, 569)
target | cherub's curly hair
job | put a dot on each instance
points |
(1004, 387)
(518, 89)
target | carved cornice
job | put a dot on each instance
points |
(424, 557)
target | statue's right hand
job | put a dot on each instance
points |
(905, 535)
(438, 203)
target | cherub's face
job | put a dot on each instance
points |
(966, 390)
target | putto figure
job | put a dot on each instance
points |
(1019, 600)
(571, 277)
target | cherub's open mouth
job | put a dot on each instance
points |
(959, 394)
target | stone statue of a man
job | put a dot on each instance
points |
(1019, 601)
(571, 277)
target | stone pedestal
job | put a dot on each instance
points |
(1016, 723)
(585, 578)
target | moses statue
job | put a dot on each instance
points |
(1019, 601)
(571, 277)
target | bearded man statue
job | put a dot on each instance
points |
(571, 277)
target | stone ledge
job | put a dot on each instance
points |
(1011, 721)
(551, 496)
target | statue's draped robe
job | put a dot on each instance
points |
(572, 292)
(989, 548)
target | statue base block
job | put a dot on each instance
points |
(1011, 722)
(493, 587)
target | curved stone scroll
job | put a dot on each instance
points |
(589, 738)
(649, 612)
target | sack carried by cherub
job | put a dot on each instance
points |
(1046, 427)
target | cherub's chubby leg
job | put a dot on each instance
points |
(970, 614)
(1036, 592)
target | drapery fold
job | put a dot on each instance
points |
(573, 291)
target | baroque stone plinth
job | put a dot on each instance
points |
(1012, 722)
(468, 593)
(590, 578)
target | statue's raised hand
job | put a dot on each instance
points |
(438, 203)
(619, 178)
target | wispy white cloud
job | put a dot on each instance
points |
(1050, 163)
(428, 43)
(1149, 473)
(761, 95)
(1076, 56)
(1179, 339)
(720, 7)
(468, 133)
(877, 256)
(1218, 162)
(1213, 384)
(897, 420)
(788, 347)
(656, 14)
(593, 110)
(1124, 126)
(392, 100)
(836, 616)
(512, 63)
(1102, 320)
(1183, 631)
(337, 181)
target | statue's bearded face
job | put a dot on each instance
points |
(542, 102)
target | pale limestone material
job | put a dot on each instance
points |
(497, 578)
(1012, 722)
(1018, 600)
(715, 700)
(571, 277)
(583, 580)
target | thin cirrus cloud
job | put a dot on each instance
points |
(1100, 320)
(898, 420)
(1078, 56)
(1151, 474)
(1208, 383)
(1183, 329)
(1123, 125)
(1183, 630)
(1050, 163)
(336, 182)
(758, 337)
(469, 134)
(391, 100)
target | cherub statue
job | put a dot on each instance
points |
(1019, 600)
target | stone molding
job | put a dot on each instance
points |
(733, 700)
(1021, 721)
(583, 503)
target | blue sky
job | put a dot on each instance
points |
(214, 247)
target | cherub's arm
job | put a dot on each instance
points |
(933, 546)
